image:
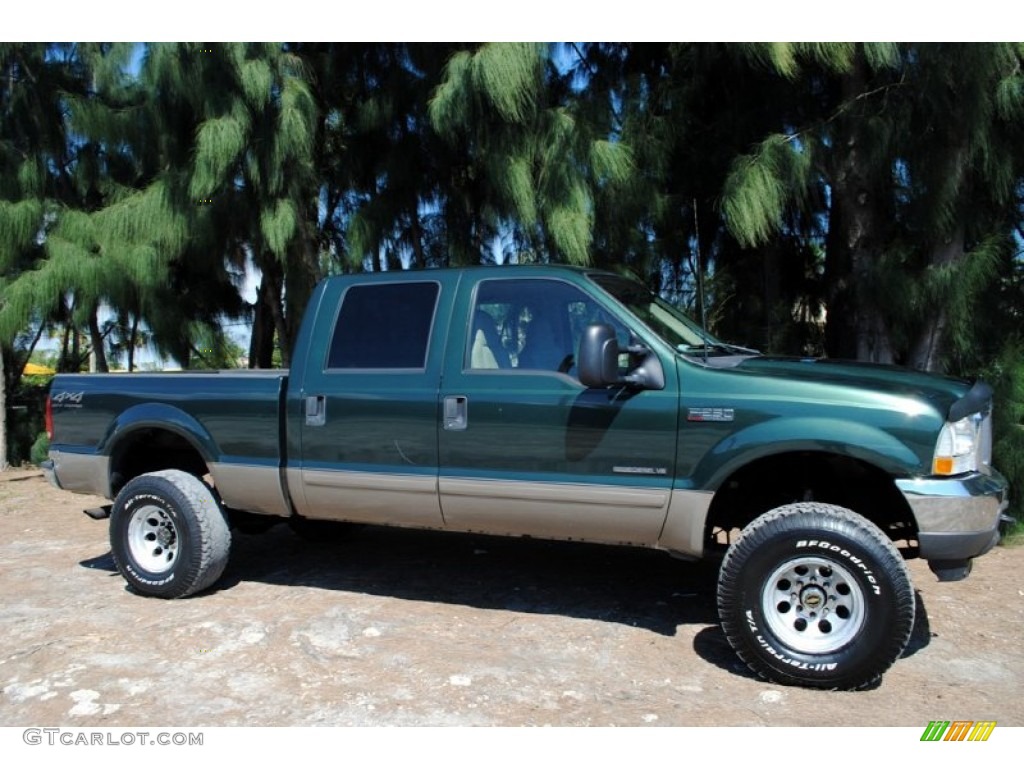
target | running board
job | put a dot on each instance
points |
(99, 513)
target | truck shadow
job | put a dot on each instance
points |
(635, 587)
(711, 645)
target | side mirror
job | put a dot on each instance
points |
(598, 361)
(598, 358)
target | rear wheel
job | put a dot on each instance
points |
(168, 534)
(816, 595)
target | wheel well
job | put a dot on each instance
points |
(152, 450)
(830, 478)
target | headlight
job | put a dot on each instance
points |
(957, 448)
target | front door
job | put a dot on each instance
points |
(525, 448)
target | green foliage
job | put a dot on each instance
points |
(278, 225)
(40, 449)
(1013, 535)
(20, 222)
(827, 192)
(1006, 376)
(212, 349)
(759, 188)
(25, 418)
(509, 76)
(503, 77)
(220, 143)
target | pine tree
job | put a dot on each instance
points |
(912, 155)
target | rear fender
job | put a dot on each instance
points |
(158, 416)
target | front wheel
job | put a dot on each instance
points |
(168, 534)
(815, 595)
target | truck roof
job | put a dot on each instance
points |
(520, 270)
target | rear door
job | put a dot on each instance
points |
(525, 448)
(369, 401)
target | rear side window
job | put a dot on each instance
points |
(384, 326)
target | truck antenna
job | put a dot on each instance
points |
(700, 282)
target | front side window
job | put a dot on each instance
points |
(532, 324)
(384, 326)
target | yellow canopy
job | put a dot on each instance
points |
(32, 369)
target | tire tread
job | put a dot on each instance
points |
(793, 517)
(213, 542)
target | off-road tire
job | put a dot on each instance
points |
(168, 534)
(816, 595)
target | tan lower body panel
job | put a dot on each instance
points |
(597, 513)
(251, 488)
(684, 525)
(369, 497)
(82, 472)
(607, 514)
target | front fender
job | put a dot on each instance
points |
(843, 437)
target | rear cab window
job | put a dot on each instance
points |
(384, 327)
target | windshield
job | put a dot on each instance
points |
(665, 320)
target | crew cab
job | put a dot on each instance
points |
(561, 403)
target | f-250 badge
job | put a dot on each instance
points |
(710, 414)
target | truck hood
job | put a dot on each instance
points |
(941, 391)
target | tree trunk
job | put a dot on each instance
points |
(63, 359)
(261, 343)
(926, 351)
(133, 337)
(301, 274)
(3, 414)
(273, 281)
(97, 357)
(416, 232)
(19, 365)
(856, 322)
(771, 295)
(76, 351)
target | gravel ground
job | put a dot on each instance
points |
(395, 627)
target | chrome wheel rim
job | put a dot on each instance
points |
(153, 539)
(813, 605)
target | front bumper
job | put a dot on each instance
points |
(957, 517)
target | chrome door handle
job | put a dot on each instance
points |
(456, 412)
(316, 411)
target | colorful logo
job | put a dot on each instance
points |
(958, 730)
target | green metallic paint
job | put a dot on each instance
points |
(226, 416)
(780, 410)
(377, 421)
(535, 439)
(529, 427)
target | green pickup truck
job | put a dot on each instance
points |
(568, 404)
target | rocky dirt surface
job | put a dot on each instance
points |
(398, 627)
